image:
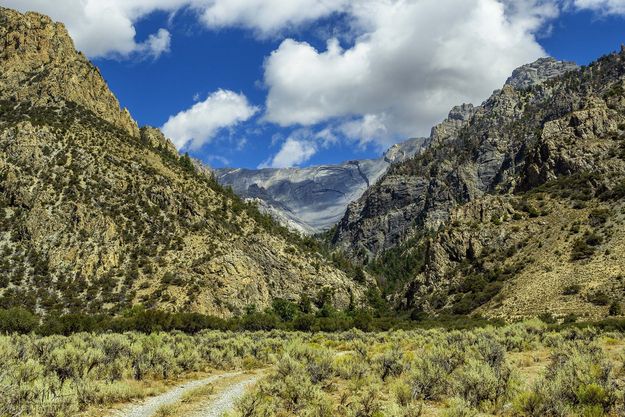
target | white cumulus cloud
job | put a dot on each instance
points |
(198, 125)
(158, 43)
(411, 63)
(370, 128)
(293, 152)
(301, 145)
(267, 17)
(602, 6)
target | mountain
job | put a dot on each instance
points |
(512, 208)
(312, 200)
(97, 214)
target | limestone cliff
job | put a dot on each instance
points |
(39, 64)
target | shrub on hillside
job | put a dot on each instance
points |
(17, 320)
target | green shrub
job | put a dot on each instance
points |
(615, 309)
(547, 318)
(599, 298)
(581, 250)
(17, 320)
(485, 381)
(391, 363)
(530, 404)
(284, 309)
(319, 367)
(459, 408)
(578, 378)
(366, 402)
(585, 247)
(572, 289)
(430, 376)
(599, 217)
(476, 383)
(259, 321)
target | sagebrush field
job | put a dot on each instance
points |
(523, 369)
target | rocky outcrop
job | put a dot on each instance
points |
(97, 215)
(40, 65)
(464, 198)
(538, 72)
(154, 138)
(311, 200)
(470, 153)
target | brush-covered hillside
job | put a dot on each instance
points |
(97, 214)
(512, 208)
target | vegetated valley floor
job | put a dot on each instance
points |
(522, 369)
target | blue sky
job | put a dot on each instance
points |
(584, 36)
(249, 83)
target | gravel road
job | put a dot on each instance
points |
(150, 406)
(225, 400)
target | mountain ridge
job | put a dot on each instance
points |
(311, 200)
(98, 215)
(39, 64)
(471, 223)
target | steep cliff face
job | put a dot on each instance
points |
(311, 200)
(39, 63)
(96, 215)
(538, 72)
(485, 209)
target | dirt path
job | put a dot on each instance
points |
(226, 399)
(150, 406)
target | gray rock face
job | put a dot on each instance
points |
(311, 200)
(539, 72)
(450, 202)
(473, 152)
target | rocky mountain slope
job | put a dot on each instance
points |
(311, 200)
(97, 214)
(512, 208)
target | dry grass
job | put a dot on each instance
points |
(530, 365)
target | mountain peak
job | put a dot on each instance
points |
(40, 65)
(539, 71)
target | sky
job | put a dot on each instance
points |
(281, 83)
